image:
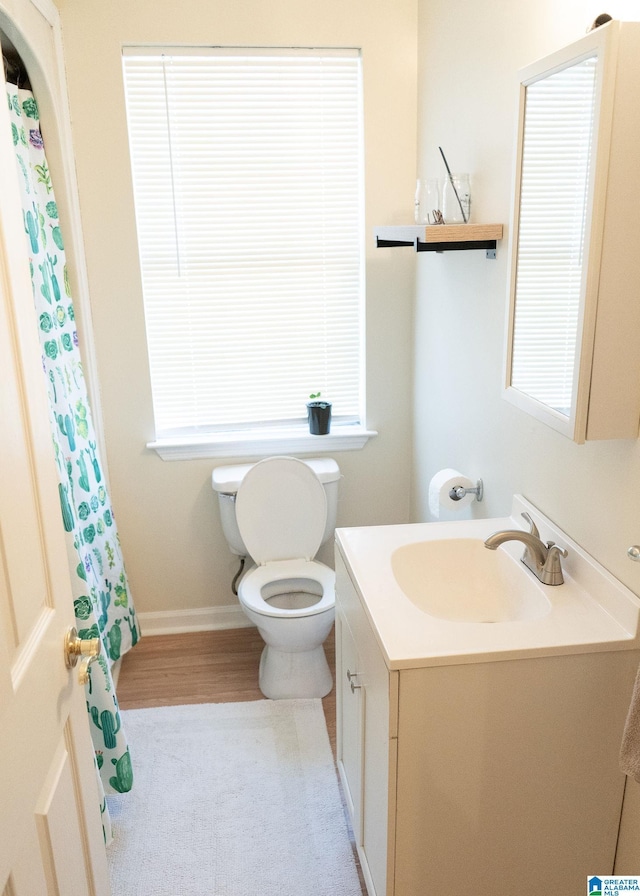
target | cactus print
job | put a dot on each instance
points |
(30, 107)
(101, 595)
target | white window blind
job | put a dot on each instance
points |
(559, 116)
(247, 171)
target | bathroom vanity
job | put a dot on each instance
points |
(480, 756)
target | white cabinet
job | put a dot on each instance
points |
(366, 698)
(478, 777)
(350, 709)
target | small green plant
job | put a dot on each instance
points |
(318, 414)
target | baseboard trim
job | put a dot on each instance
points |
(202, 619)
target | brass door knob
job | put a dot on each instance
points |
(84, 649)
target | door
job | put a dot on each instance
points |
(51, 838)
(350, 707)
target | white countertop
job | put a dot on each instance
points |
(592, 611)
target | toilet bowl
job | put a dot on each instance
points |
(280, 518)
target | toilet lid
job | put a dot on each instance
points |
(281, 510)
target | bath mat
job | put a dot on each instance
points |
(231, 799)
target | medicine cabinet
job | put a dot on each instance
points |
(573, 338)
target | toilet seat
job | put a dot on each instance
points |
(250, 590)
(281, 510)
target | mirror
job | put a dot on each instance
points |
(554, 185)
(561, 197)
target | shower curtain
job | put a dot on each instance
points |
(102, 602)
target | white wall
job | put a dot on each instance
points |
(469, 57)
(167, 514)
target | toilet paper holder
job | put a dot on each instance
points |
(458, 492)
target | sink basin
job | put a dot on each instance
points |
(459, 580)
(421, 582)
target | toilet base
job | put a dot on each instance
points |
(286, 676)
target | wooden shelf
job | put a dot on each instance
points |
(441, 237)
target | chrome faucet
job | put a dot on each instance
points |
(542, 559)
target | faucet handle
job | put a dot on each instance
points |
(552, 570)
(533, 529)
(552, 546)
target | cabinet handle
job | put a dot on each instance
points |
(350, 678)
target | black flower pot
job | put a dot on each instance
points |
(319, 414)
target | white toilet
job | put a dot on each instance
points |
(279, 512)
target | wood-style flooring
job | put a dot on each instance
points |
(202, 667)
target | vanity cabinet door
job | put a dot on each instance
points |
(350, 707)
(380, 761)
(366, 735)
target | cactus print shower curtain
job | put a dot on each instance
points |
(101, 596)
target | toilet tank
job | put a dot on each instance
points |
(226, 482)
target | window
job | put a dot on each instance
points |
(247, 171)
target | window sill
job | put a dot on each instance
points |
(261, 443)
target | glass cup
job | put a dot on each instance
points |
(427, 201)
(456, 199)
